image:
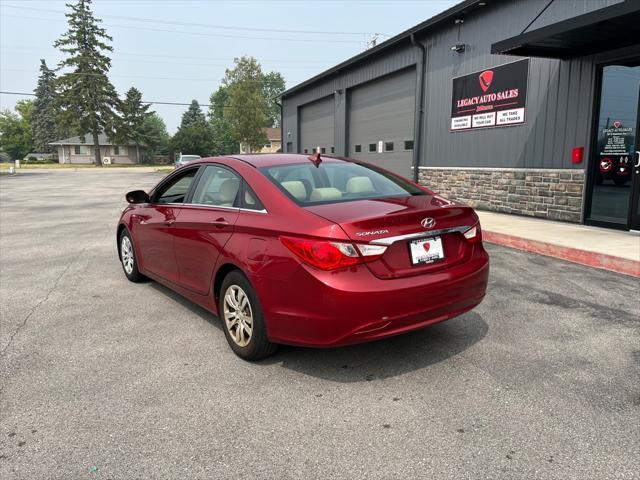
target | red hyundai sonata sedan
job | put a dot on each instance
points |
(305, 250)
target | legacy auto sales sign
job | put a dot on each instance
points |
(495, 97)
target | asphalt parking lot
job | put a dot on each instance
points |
(101, 378)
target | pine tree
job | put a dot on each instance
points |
(132, 123)
(193, 116)
(43, 116)
(195, 135)
(86, 95)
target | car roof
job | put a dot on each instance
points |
(273, 159)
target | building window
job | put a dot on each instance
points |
(305, 151)
(323, 150)
(372, 148)
(289, 147)
(357, 148)
(388, 146)
(408, 144)
(80, 150)
(333, 149)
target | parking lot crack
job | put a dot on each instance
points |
(33, 309)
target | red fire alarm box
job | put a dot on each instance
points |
(577, 154)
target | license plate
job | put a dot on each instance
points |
(427, 250)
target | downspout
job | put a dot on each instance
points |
(417, 140)
(281, 125)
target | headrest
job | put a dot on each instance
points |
(359, 185)
(296, 188)
(325, 194)
(248, 198)
(229, 190)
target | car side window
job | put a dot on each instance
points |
(218, 186)
(176, 190)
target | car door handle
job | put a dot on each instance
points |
(169, 222)
(220, 222)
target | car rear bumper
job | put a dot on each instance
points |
(326, 309)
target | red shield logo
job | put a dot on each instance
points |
(617, 124)
(486, 78)
(426, 246)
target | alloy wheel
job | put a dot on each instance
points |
(126, 251)
(238, 316)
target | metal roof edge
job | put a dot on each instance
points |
(393, 41)
(584, 20)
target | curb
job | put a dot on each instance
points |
(583, 257)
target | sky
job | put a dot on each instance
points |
(176, 51)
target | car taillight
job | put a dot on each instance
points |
(474, 234)
(328, 255)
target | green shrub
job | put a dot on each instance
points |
(35, 161)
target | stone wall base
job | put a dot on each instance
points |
(545, 193)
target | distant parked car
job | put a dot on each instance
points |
(184, 159)
(295, 250)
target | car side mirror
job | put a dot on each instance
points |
(137, 196)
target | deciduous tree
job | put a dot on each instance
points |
(223, 141)
(15, 130)
(155, 134)
(246, 108)
(272, 86)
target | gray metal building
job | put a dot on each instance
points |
(567, 151)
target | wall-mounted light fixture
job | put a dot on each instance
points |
(459, 46)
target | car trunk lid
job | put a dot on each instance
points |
(395, 222)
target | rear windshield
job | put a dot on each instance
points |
(333, 182)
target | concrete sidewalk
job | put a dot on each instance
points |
(592, 246)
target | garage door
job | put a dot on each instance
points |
(381, 122)
(316, 126)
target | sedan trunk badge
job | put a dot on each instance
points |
(428, 222)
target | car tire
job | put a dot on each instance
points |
(242, 318)
(128, 258)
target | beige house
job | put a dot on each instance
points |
(273, 145)
(75, 150)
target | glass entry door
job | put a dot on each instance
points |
(615, 162)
